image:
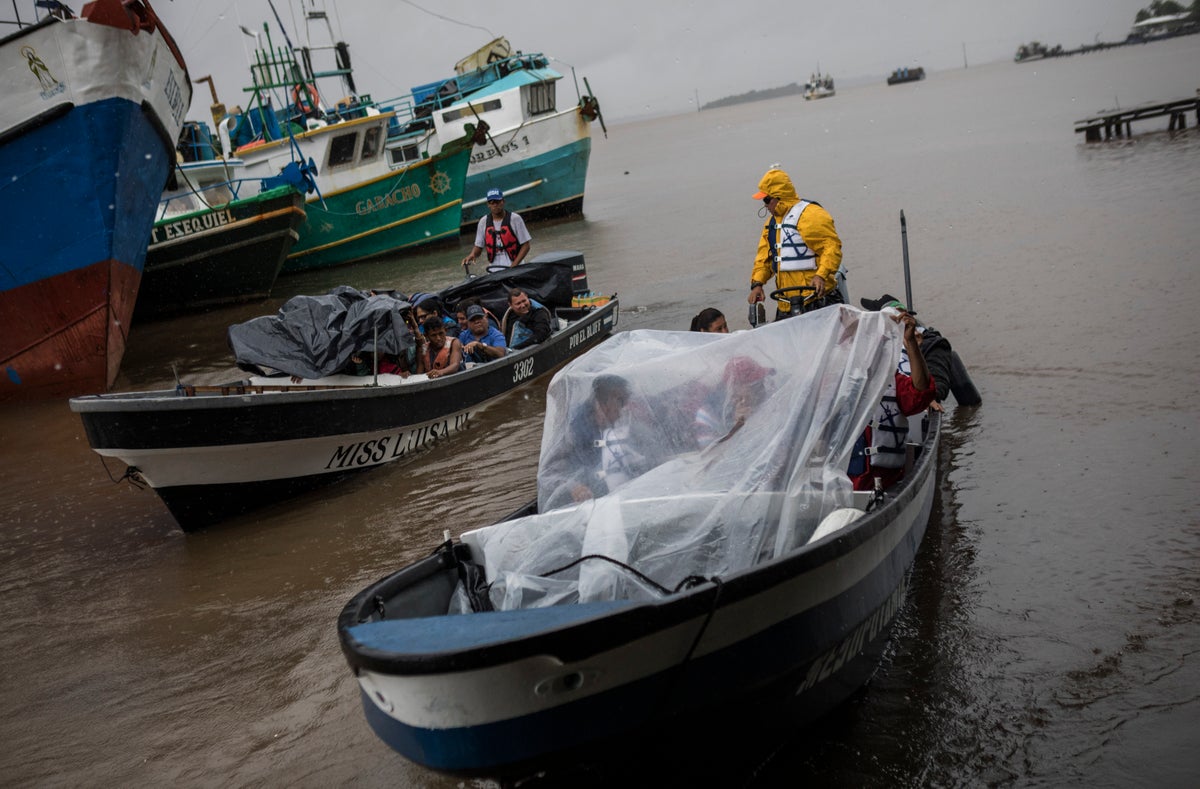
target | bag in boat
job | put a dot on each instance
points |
(547, 278)
(684, 454)
(315, 336)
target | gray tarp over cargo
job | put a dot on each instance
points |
(727, 451)
(315, 336)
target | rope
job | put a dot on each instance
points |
(130, 475)
(687, 583)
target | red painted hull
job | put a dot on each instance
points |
(65, 335)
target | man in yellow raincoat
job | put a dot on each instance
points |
(799, 244)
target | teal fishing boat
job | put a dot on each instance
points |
(368, 205)
(531, 144)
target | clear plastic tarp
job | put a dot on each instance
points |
(683, 454)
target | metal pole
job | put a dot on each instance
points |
(907, 277)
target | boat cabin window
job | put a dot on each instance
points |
(540, 98)
(371, 140)
(465, 112)
(342, 149)
(402, 155)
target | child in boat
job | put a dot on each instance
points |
(438, 354)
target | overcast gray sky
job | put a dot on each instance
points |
(645, 57)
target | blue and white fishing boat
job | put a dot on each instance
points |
(92, 109)
(529, 145)
(722, 574)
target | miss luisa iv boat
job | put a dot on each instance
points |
(212, 452)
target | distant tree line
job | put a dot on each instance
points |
(1157, 8)
(755, 95)
(1167, 8)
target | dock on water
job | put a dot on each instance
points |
(1119, 123)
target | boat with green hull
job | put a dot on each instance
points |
(367, 205)
(226, 253)
(416, 205)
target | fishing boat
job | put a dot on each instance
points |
(819, 86)
(531, 147)
(210, 246)
(212, 452)
(371, 205)
(721, 582)
(92, 108)
(906, 74)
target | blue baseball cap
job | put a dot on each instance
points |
(495, 194)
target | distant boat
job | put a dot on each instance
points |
(92, 109)
(530, 146)
(819, 86)
(372, 205)
(905, 74)
(211, 246)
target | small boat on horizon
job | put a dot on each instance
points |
(819, 86)
(93, 106)
(906, 74)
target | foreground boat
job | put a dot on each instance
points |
(92, 108)
(218, 451)
(739, 580)
(532, 149)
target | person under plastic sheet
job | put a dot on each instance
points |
(695, 510)
(724, 410)
(600, 450)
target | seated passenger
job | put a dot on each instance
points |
(481, 342)
(527, 322)
(438, 354)
(598, 453)
(726, 409)
(432, 305)
(910, 392)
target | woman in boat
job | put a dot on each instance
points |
(710, 320)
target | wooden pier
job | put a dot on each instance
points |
(1119, 123)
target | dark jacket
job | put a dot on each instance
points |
(537, 322)
(936, 350)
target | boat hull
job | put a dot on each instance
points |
(213, 455)
(225, 255)
(787, 640)
(542, 169)
(400, 210)
(88, 129)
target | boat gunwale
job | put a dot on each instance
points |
(578, 640)
(171, 400)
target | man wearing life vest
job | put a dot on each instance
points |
(799, 244)
(501, 234)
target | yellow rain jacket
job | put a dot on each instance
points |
(816, 229)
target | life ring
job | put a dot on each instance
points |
(302, 101)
